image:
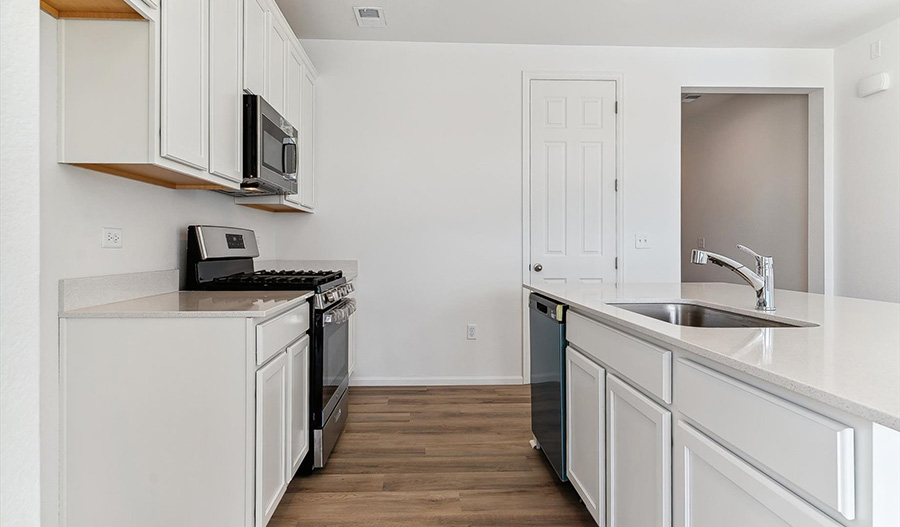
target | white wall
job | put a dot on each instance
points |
(867, 170)
(19, 266)
(75, 204)
(420, 178)
(744, 179)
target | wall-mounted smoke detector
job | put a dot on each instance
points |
(369, 16)
(690, 97)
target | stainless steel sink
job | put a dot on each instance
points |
(684, 314)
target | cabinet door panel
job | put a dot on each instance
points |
(298, 355)
(293, 105)
(255, 23)
(184, 86)
(585, 451)
(714, 488)
(307, 142)
(225, 37)
(276, 62)
(272, 432)
(294, 74)
(640, 458)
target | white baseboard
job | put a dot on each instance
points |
(434, 381)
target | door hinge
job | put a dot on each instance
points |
(617, 106)
(617, 185)
(617, 262)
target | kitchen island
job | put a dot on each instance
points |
(702, 426)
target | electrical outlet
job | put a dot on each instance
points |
(641, 241)
(111, 238)
(701, 243)
(472, 332)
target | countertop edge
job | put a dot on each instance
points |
(287, 305)
(866, 412)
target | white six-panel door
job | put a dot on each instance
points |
(573, 181)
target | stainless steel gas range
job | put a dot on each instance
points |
(221, 259)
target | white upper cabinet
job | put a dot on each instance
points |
(225, 94)
(160, 100)
(184, 88)
(276, 56)
(135, 97)
(256, 20)
(293, 76)
(307, 141)
(284, 76)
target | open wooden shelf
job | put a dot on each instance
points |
(90, 9)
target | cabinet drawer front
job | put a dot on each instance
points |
(807, 449)
(274, 335)
(714, 488)
(646, 365)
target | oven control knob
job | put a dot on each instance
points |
(349, 288)
(329, 296)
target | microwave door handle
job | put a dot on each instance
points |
(289, 159)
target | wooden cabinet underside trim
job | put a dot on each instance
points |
(90, 9)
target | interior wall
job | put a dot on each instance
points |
(75, 204)
(867, 170)
(418, 156)
(744, 179)
(20, 463)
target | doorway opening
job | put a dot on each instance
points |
(752, 173)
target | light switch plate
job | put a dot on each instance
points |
(875, 50)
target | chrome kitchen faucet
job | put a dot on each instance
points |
(763, 280)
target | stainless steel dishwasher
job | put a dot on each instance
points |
(548, 399)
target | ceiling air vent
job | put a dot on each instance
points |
(690, 97)
(369, 16)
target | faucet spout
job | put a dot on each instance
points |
(762, 281)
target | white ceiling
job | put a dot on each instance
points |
(688, 23)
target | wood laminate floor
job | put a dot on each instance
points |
(434, 456)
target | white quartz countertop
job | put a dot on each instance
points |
(197, 304)
(849, 360)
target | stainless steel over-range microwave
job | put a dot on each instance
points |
(270, 149)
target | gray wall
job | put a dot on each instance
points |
(744, 179)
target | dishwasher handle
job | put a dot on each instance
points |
(549, 308)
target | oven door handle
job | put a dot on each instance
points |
(341, 313)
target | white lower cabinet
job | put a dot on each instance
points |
(639, 435)
(174, 421)
(272, 435)
(585, 423)
(713, 487)
(298, 359)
